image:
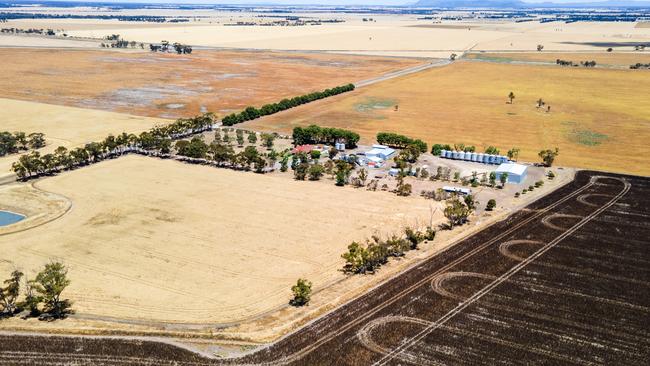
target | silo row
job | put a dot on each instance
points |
(475, 157)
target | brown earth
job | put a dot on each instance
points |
(172, 86)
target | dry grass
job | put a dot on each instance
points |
(65, 126)
(172, 86)
(599, 119)
(623, 59)
(165, 241)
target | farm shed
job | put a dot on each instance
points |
(516, 172)
(380, 151)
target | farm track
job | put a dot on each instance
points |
(563, 281)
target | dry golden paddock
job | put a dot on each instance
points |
(618, 59)
(158, 240)
(599, 118)
(172, 86)
(65, 126)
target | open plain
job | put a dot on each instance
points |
(594, 112)
(173, 86)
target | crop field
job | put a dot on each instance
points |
(593, 112)
(172, 86)
(554, 283)
(614, 59)
(163, 233)
(65, 126)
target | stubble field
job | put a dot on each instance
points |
(173, 86)
(65, 126)
(190, 244)
(606, 59)
(599, 118)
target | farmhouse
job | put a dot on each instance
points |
(516, 172)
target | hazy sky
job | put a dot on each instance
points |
(318, 2)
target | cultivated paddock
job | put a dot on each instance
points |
(606, 59)
(191, 244)
(594, 112)
(560, 282)
(172, 86)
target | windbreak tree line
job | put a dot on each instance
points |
(157, 139)
(12, 143)
(251, 113)
(400, 141)
(324, 135)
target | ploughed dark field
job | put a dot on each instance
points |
(564, 281)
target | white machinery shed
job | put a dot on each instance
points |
(516, 172)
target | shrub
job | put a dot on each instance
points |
(315, 154)
(491, 205)
(517, 194)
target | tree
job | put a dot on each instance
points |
(363, 176)
(511, 96)
(301, 292)
(300, 173)
(548, 156)
(49, 284)
(492, 150)
(315, 154)
(414, 237)
(316, 171)
(252, 138)
(456, 212)
(470, 202)
(343, 170)
(540, 47)
(493, 179)
(513, 153)
(9, 294)
(503, 179)
(491, 205)
(452, 57)
(268, 140)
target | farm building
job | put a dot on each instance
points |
(380, 151)
(516, 172)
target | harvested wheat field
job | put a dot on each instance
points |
(611, 59)
(65, 126)
(185, 243)
(599, 118)
(172, 86)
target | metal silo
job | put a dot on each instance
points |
(454, 154)
(461, 155)
(468, 156)
(474, 156)
(442, 153)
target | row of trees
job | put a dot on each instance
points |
(400, 141)
(251, 113)
(324, 135)
(368, 257)
(223, 155)
(158, 140)
(42, 295)
(12, 143)
(571, 63)
(639, 65)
